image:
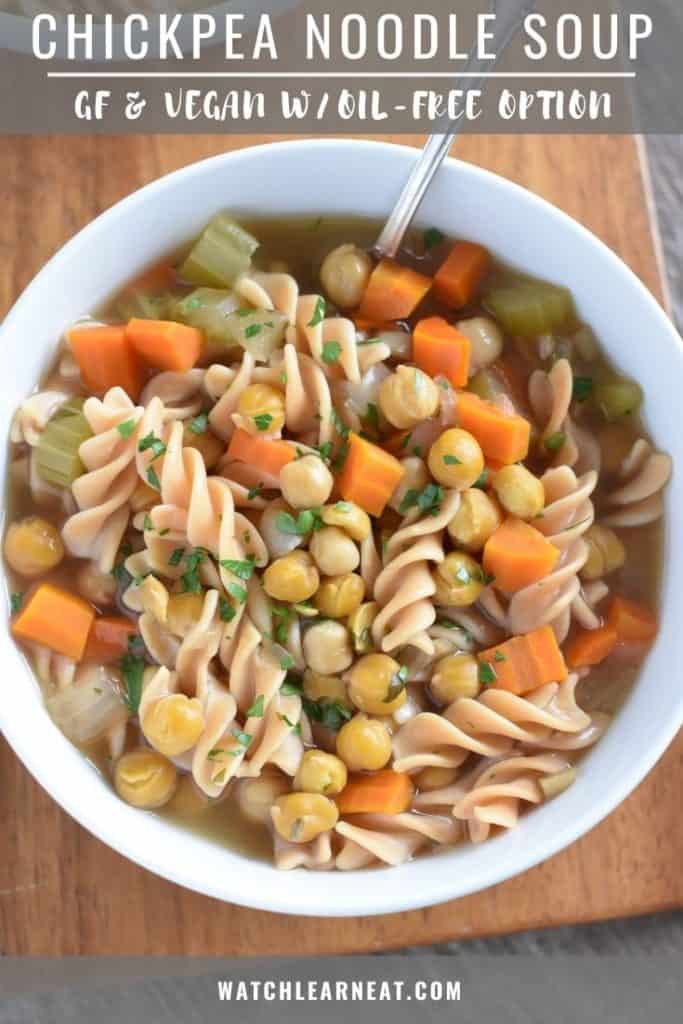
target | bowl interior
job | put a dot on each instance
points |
(355, 178)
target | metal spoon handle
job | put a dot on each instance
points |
(509, 18)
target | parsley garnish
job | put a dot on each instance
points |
(554, 442)
(482, 479)
(431, 238)
(132, 667)
(372, 416)
(452, 460)
(308, 519)
(499, 656)
(286, 661)
(238, 592)
(318, 313)
(282, 616)
(254, 492)
(153, 479)
(256, 709)
(176, 556)
(242, 569)
(291, 687)
(190, 578)
(339, 424)
(127, 428)
(427, 500)
(199, 424)
(398, 683)
(119, 570)
(215, 753)
(324, 450)
(331, 352)
(15, 602)
(487, 673)
(155, 444)
(147, 523)
(243, 738)
(330, 714)
(582, 388)
(226, 611)
(263, 420)
(252, 330)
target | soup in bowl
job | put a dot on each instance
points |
(330, 563)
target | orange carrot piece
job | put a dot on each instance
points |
(263, 453)
(370, 475)
(440, 349)
(107, 359)
(393, 292)
(108, 638)
(57, 619)
(459, 276)
(503, 438)
(591, 646)
(517, 554)
(633, 622)
(165, 344)
(383, 792)
(524, 663)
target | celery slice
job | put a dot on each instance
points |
(259, 331)
(485, 385)
(142, 305)
(617, 397)
(57, 459)
(530, 307)
(207, 309)
(222, 252)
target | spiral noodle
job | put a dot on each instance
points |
(491, 724)
(404, 586)
(550, 396)
(391, 838)
(33, 414)
(639, 500)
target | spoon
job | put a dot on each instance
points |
(510, 15)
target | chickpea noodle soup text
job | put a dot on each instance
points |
(339, 561)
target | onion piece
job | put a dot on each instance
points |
(91, 706)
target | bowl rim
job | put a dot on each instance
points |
(401, 898)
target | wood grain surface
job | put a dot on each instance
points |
(64, 893)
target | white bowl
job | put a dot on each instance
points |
(354, 177)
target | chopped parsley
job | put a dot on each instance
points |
(482, 480)
(153, 444)
(452, 460)
(199, 424)
(119, 570)
(254, 492)
(331, 352)
(215, 753)
(339, 424)
(294, 726)
(499, 656)
(282, 616)
(243, 738)
(153, 479)
(427, 500)
(127, 428)
(263, 420)
(331, 714)
(132, 667)
(286, 662)
(283, 376)
(398, 683)
(487, 673)
(582, 388)
(238, 592)
(243, 569)
(147, 523)
(225, 610)
(291, 687)
(176, 556)
(372, 416)
(252, 330)
(554, 442)
(417, 450)
(190, 578)
(256, 709)
(15, 602)
(431, 238)
(343, 507)
(307, 520)
(318, 313)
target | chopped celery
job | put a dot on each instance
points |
(222, 252)
(617, 396)
(142, 305)
(485, 385)
(207, 309)
(57, 460)
(530, 307)
(259, 331)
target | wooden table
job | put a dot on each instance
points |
(61, 891)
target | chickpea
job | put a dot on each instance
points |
(486, 341)
(339, 596)
(349, 518)
(364, 744)
(263, 409)
(33, 546)
(327, 649)
(300, 817)
(376, 684)
(174, 724)
(605, 552)
(153, 597)
(360, 624)
(277, 542)
(455, 676)
(183, 612)
(319, 687)
(344, 275)
(306, 482)
(96, 586)
(455, 459)
(320, 773)
(459, 580)
(255, 797)
(435, 778)
(144, 778)
(415, 478)
(476, 519)
(334, 552)
(291, 578)
(519, 491)
(408, 396)
(207, 444)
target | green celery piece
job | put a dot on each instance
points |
(57, 460)
(222, 252)
(142, 306)
(617, 397)
(207, 309)
(485, 385)
(530, 308)
(72, 407)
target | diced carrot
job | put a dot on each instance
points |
(383, 792)
(633, 622)
(516, 555)
(57, 619)
(502, 437)
(524, 663)
(370, 475)
(107, 359)
(266, 454)
(165, 344)
(108, 638)
(591, 646)
(393, 292)
(459, 276)
(440, 349)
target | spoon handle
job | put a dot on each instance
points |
(509, 17)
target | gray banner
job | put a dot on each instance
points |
(314, 66)
(467, 987)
